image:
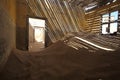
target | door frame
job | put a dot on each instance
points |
(27, 28)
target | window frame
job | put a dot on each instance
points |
(109, 22)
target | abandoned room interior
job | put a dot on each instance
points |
(59, 39)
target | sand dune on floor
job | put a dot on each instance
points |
(61, 62)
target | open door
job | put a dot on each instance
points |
(36, 34)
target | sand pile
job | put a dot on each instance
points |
(60, 62)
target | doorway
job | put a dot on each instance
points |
(36, 34)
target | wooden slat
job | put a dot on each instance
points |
(94, 18)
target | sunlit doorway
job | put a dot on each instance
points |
(36, 34)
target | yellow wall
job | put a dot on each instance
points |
(9, 7)
(7, 29)
(21, 25)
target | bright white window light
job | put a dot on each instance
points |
(105, 18)
(104, 29)
(114, 0)
(37, 22)
(114, 16)
(113, 27)
(95, 45)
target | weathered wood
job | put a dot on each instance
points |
(94, 19)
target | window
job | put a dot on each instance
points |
(113, 27)
(110, 22)
(105, 18)
(114, 16)
(105, 28)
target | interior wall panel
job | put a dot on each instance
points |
(94, 17)
(61, 17)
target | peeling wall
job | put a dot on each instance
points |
(9, 7)
(22, 12)
(7, 29)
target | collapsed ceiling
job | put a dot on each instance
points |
(64, 16)
(89, 5)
